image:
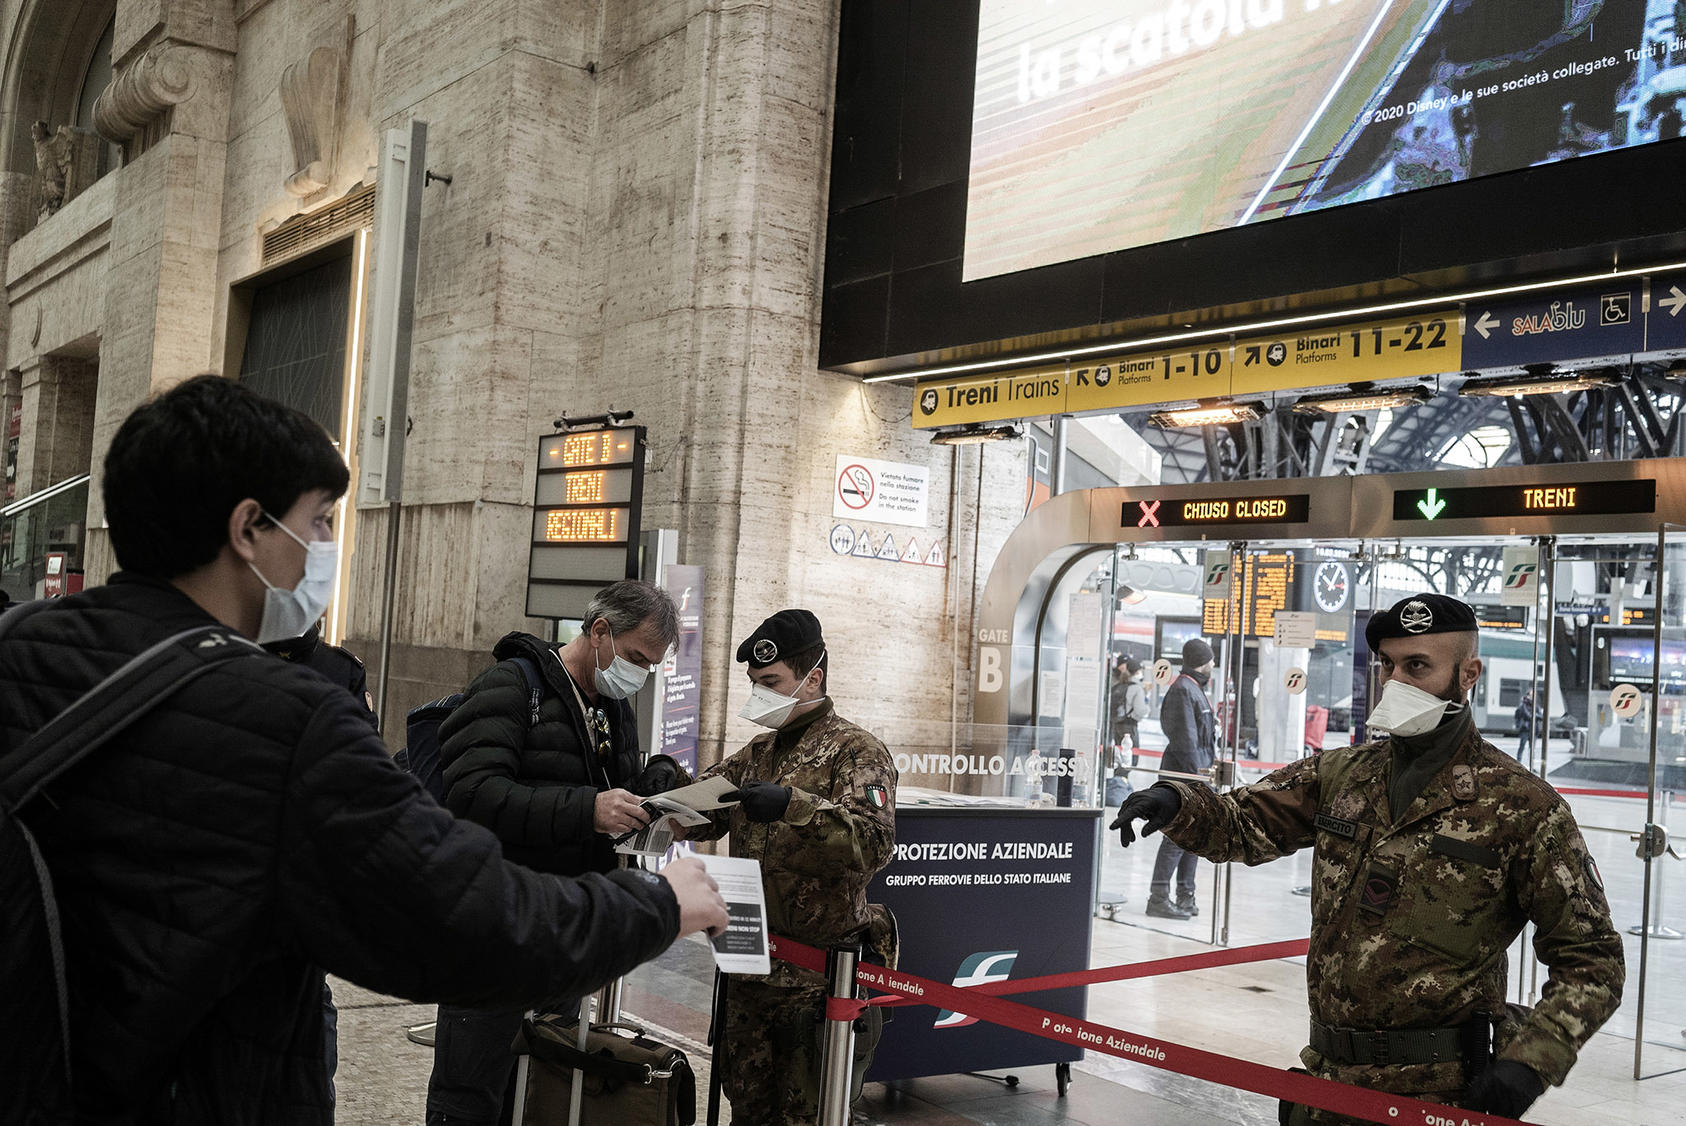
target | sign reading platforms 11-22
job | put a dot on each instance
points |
(587, 502)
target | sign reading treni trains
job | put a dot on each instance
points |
(1574, 498)
(1291, 508)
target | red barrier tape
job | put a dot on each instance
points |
(1265, 952)
(1325, 1094)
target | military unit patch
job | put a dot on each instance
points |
(877, 797)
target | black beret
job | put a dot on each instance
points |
(1418, 615)
(1196, 653)
(779, 637)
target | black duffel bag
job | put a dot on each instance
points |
(629, 1077)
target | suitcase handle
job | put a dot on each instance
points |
(570, 1057)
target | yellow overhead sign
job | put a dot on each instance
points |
(990, 398)
(1369, 351)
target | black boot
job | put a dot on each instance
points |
(1187, 905)
(1159, 906)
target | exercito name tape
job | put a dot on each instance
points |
(1325, 1094)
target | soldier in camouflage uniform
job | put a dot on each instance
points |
(817, 799)
(1433, 848)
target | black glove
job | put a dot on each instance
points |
(762, 801)
(1508, 1088)
(1158, 804)
(661, 774)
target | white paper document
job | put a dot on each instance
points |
(655, 838)
(675, 807)
(704, 795)
(743, 948)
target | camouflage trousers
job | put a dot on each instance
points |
(772, 1052)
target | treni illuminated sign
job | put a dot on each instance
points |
(587, 500)
(1569, 498)
(1172, 512)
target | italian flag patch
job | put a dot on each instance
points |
(877, 797)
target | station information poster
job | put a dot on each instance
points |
(1099, 125)
(983, 894)
(682, 672)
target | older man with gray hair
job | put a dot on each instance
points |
(543, 751)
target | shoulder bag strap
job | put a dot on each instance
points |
(144, 682)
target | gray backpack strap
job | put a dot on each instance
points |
(144, 682)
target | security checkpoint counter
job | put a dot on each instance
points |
(985, 890)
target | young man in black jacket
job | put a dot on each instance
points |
(546, 767)
(252, 830)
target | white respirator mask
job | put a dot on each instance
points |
(769, 708)
(291, 613)
(1406, 710)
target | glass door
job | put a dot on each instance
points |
(1660, 982)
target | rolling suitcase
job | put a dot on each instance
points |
(629, 1077)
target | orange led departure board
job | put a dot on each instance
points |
(584, 525)
(586, 506)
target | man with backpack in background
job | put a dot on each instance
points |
(244, 830)
(541, 750)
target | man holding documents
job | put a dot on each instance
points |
(816, 799)
(543, 751)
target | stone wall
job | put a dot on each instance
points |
(635, 220)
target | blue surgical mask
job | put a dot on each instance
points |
(621, 679)
(291, 613)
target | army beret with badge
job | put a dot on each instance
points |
(779, 637)
(1419, 615)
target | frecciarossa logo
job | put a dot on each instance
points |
(978, 969)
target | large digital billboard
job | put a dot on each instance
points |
(1100, 125)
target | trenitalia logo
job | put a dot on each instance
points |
(1217, 574)
(1520, 575)
(977, 969)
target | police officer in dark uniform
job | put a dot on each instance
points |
(1433, 849)
(337, 664)
(342, 667)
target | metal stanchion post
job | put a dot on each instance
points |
(838, 1054)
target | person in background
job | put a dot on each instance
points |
(1185, 715)
(1128, 701)
(1524, 727)
(251, 830)
(337, 666)
(1433, 849)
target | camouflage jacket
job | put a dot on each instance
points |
(838, 831)
(1412, 915)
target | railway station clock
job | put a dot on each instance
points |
(1331, 586)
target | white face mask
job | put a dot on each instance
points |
(291, 613)
(1407, 710)
(621, 679)
(769, 708)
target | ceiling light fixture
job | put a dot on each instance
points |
(1217, 414)
(1539, 383)
(972, 434)
(1249, 327)
(1358, 400)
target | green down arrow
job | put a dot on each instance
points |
(1431, 507)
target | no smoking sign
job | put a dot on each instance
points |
(855, 486)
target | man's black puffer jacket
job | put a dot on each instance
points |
(246, 834)
(535, 784)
